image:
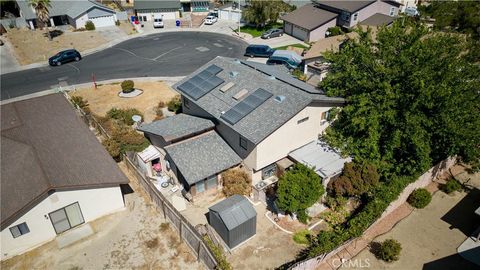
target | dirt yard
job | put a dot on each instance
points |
(136, 238)
(106, 97)
(127, 27)
(431, 236)
(33, 46)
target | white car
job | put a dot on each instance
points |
(158, 22)
(209, 20)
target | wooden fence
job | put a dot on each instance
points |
(186, 231)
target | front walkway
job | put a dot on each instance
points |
(7, 58)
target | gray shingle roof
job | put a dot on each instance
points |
(156, 4)
(270, 115)
(202, 156)
(62, 7)
(350, 6)
(234, 211)
(177, 126)
(46, 146)
(378, 19)
(309, 17)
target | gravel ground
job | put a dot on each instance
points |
(136, 238)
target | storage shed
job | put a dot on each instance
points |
(234, 219)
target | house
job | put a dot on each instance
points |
(146, 10)
(238, 112)
(74, 13)
(55, 175)
(407, 3)
(312, 21)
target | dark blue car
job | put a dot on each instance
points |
(64, 57)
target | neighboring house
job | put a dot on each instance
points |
(74, 13)
(407, 3)
(55, 175)
(230, 11)
(146, 10)
(312, 21)
(238, 112)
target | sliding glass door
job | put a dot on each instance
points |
(66, 218)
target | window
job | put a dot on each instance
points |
(302, 120)
(355, 17)
(269, 171)
(186, 103)
(66, 218)
(19, 230)
(346, 16)
(392, 11)
(212, 182)
(200, 186)
(243, 142)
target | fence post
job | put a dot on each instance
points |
(199, 249)
(180, 230)
(163, 209)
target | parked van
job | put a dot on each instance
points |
(283, 57)
(158, 22)
(259, 51)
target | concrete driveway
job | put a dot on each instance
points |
(7, 59)
(277, 42)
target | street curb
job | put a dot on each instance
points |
(72, 88)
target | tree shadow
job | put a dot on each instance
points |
(374, 248)
(54, 33)
(462, 216)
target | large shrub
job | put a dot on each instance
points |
(89, 25)
(124, 116)
(298, 189)
(129, 139)
(302, 237)
(113, 148)
(81, 103)
(451, 186)
(356, 179)
(419, 198)
(389, 250)
(175, 104)
(128, 86)
(236, 181)
(217, 251)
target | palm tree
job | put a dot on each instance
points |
(41, 8)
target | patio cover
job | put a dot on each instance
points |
(150, 153)
(320, 156)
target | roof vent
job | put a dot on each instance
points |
(233, 74)
(226, 87)
(271, 77)
(240, 94)
(237, 61)
(280, 99)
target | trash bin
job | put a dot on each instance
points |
(132, 18)
(177, 23)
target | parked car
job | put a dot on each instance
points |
(209, 20)
(259, 51)
(64, 57)
(283, 57)
(412, 11)
(274, 32)
(158, 22)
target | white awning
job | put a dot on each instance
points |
(149, 154)
(319, 155)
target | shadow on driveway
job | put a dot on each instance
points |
(462, 216)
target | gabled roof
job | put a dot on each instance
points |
(234, 211)
(156, 4)
(248, 76)
(200, 157)
(350, 6)
(177, 126)
(309, 17)
(61, 7)
(45, 147)
(378, 19)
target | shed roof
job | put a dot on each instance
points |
(177, 126)
(268, 116)
(156, 4)
(234, 211)
(318, 154)
(202, 156)
(46, 146)
(309, 17)
(378, 19)
(60, 7)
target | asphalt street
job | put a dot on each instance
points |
(164, 54)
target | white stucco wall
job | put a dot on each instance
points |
(288, 138)
(377, 7)
(94, 203)
(319, 32)
(166, 15)
(80, 21)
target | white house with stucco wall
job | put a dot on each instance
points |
(55, 175)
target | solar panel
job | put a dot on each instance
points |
(202, 83)
(246, 106)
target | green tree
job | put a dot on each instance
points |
(355, 180)
(411, 99)
(298, 189)
(42, 10)
(261, 12)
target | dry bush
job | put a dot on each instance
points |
(236, 181)
(152, 243)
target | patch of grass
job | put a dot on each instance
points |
(256, 32)
(297, 45)
(114, 83)
(302, 237)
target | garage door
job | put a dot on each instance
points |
(166, 15)
(300, 33)
(103, 21)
